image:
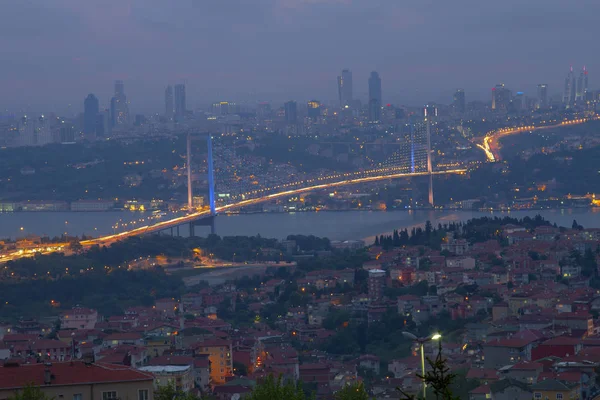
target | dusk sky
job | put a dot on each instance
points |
(55, 52)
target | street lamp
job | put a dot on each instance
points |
(421, 342)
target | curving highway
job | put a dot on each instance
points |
(491, 145)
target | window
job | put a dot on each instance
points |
(77, 396)
(143, 394)
(537, 395)
(109, 395)
(559, 396)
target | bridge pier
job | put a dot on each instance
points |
(209, 221)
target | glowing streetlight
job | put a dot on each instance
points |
(421, 342)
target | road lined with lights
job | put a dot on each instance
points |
(171, 223)
(106, 240)
(491, 146)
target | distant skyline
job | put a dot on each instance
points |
(56, 53)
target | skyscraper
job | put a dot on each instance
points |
(459, 103)
(119, 88)
(585, 81)
(118, 105)
(374, 97)
(582, 85)
(224, 108)
(570, 88)
(542, 96)
(180, 109)
(519, 102)
(314, 109)
(291, 112)
(345, 88)
(91, 108)
(501, 97)
(169, 105)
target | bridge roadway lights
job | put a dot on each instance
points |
(206, 221)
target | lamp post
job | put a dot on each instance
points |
(421, 342)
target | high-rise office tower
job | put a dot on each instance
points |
(314, 109)
(585, 81)
(579, 88)
(374, 97)
(263, 111)
(100, 128)
(291, 112)
(169, 102)
(119, 88)
(91, 108)
(345, 88)
(501, 97)
(224, 108)
(542, 96)
(118, 105)
(519, 102)
(582, 85)
(459, 103)
(180, 101)
(570, 88)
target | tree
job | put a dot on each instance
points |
(30, 392)
(438, 378)
(356, 391)
(75, 246)
(272, 389)
(169, 392)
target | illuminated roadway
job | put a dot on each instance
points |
(159, 226)
(491, 146)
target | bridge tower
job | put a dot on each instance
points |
(211, 186)
(429, 167)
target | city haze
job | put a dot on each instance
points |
(55, 53)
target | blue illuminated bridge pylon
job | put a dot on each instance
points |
(210, 219)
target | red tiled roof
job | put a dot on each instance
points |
(18, 337)
(482, 373)
(123, 336)
(41, 344)
(483, 389)
(571, 376)
(527, 366)
(561, 341)
(68, 373)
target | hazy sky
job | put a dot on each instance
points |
(55, 52)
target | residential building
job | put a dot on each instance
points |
(79, 318)
(219, 355)
(78, 381)
(180, 375)
(555, 389)
(376, 283)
